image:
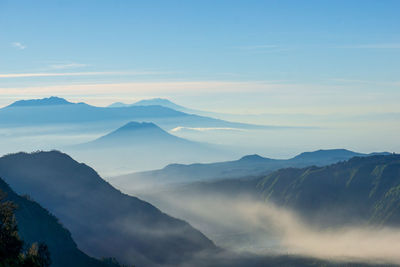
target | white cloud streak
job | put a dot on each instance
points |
(206, 129)
(257, 96)
(71, 65)
(57, 74)
(19, 45)
(373, 46)
(257, 47)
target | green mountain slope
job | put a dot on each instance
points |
(250, 165)
(363, 189)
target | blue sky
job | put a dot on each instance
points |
(257, 56)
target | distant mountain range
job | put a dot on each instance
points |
(55, 110)
(108, 223)
(251, 165)
(151, 102)
(50, 101)
(142, 145)
(35, 224)
(360, 191)
(103, 221)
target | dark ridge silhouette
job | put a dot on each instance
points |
(253, 158)
(329, 155)
(36, 225)
(362, 189)
(250, 165)
(103, 221)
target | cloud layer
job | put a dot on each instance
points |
(262, 228)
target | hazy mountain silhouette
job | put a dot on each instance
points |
(50, 101)
(138, 145)
(138, 133)
(56, 110)
(250, 165)
(102, 220)
(155, 102)
(35, 224)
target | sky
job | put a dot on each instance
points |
(311, 57)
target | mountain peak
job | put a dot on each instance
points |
(118, 105)
(154, 101)
(254, 157)
(136, 132)
(158, 102)
(149, 102)
(133, 125)
(328, 152)
(49, 101)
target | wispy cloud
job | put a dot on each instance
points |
(206, 129)
(254, 96)
(257, 47)
(264, 48)
(358, 81)
(70, 65)
(372, 46)
(55, 74)
(18, 45)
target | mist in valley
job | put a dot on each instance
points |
(245, 224)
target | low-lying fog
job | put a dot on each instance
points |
(244, 224)
(273, 143)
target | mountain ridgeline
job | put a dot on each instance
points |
(56, 111)
(49, 101)
(362, 189)
(103, 221)
(37, 225)
(151, 102)
(346, 199)
(251, 165)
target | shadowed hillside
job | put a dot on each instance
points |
(35, 225)
(103, 221)
(363, 189)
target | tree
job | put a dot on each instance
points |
(37, 255)
(10, 243)
(11, 246)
